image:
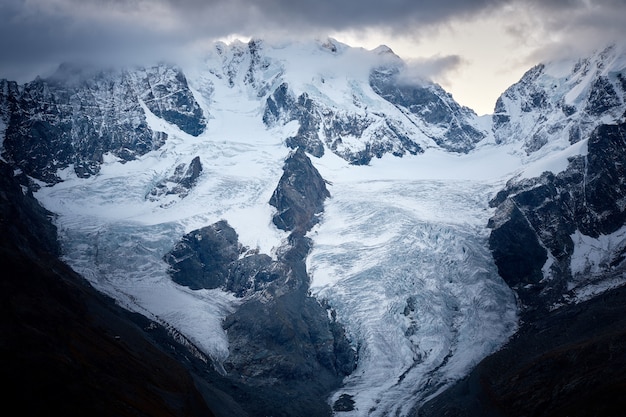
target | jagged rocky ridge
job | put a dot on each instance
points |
(63, 116)
(537, 218)
(557, 240)
(322, 128)
(78, 115)
(431, 105)
(281, 338)
(557, 104)
(424, 114)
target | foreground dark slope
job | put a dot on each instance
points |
(66, 349)
(569, 363)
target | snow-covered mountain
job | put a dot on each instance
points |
(560, 103)
(78, 115)
(309, 219)
(571, 216)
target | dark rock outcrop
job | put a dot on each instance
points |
(212, 257)
(286, 337)
(570, 362)
(536, 218)
(203, 257)
(281, 340)
(300, 194)
(78, 115)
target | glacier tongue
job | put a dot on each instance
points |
(404, 262)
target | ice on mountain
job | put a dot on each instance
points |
(403, 261)
(400, 252)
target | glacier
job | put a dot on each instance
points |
(400, 253)
(402, 258)
(412, 282)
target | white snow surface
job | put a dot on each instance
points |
(400, 252)
(401, 255)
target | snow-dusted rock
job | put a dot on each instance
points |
(557, 104)
(77, 115)
(544, 228)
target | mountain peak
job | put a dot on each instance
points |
(556, 104)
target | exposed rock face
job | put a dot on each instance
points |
(179, 183)
(283, 106)
(281, 339)
(244, 63)
(300, 194)
(202, 258)
(320, 125)
(212, 257)
(517, 250)
(77, 115)
(537, 218)
(432, 106)
(298, 343)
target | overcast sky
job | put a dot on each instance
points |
(473, 48)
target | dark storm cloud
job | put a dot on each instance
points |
(329, 14)
(570, 28)
(38, 33)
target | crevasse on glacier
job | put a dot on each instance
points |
(413, 282)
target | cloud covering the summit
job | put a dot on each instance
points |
(39, 34)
